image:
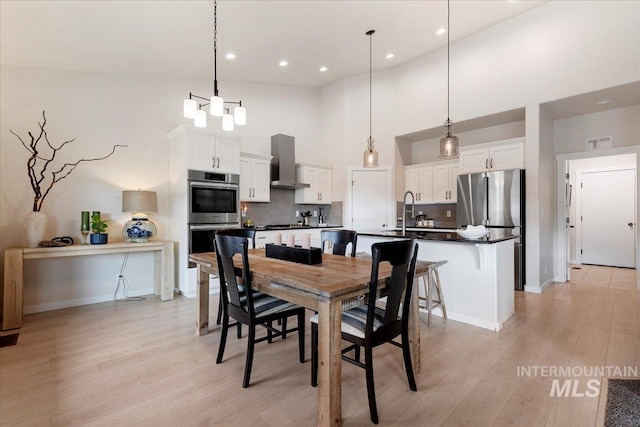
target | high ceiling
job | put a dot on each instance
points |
(175, 38)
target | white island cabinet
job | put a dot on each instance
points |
(477, 281)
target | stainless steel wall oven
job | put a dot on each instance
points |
(214, 203)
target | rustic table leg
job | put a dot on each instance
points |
(329, 364)
(202, 323)
(414, 327)
(12, 296)
(168, 274)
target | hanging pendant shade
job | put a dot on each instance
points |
(217, 106)
(190, 108)
(200, 120)
(449, 142)
(370, 157)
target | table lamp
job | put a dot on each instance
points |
(139, 228)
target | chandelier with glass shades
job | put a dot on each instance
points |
(194, 110)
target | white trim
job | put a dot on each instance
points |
(561, 234)
(57, 305)
(475, 321)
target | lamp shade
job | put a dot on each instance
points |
(216, 106)
(240, 116)
(190, 107)
(201, 119)
(139, 201)
(227, 122)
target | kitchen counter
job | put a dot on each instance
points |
(477, 281)
(495, 235)
(292, 227)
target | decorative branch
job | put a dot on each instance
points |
(38, 163)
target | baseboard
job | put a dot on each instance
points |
(540, 289)
(212, 291)
(57, 305)
(470, 320)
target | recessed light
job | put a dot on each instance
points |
(441, 31)
(323, 69)
(283, 63)
(603, 101)
(389, 55)
(231, 55)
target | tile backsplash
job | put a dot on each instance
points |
(436, 212)
(282, 210)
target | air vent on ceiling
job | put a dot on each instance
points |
(599, 143)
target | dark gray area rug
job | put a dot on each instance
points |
(623, 404)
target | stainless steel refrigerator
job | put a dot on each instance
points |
(496, 200)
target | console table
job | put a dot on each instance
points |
(14, 272)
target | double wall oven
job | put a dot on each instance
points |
(214, 203)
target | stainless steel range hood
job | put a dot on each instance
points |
(283, 163)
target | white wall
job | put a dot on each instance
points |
(547, 178)
(100, 110)
(555, 51)
(622, 124)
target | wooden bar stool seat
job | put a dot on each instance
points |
(431, 282)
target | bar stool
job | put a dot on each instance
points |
(431, 282)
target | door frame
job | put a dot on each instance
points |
(348, 206)
(561, 231)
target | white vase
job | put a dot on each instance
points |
(35, 225)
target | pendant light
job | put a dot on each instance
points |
(370, 159)
(193, 110)
(449, 142)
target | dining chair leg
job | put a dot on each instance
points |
(314, 355)
(371, 388)
(301, 335)
(406, 353)
(223, 338)
(250, 346)
(219, 318)
(269, 334)
(239, 331)
(356, 353)
(284, 328)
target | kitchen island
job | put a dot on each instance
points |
(478, 280)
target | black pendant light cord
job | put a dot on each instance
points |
(215, 48)
(448, 18)
(370, 33)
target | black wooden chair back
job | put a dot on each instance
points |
(236, 296)
(240, 232)
(340, 240)
(402, 256)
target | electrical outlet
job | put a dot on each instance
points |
(448, 214)
(297, 214)
(315, 213)
(419, 212)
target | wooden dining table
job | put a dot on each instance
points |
(336, 284)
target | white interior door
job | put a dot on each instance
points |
(371, 199)
(608, 218)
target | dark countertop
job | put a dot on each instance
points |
(289, 227)
(495, 235)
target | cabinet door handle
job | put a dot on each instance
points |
(486, 163)
(320, 196)
(491, 163)
(213, 162)
(218, 162)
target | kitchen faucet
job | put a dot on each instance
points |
(404, 210)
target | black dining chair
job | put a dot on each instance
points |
(368, 326)
(249, 234)
(340, 239)
(249, 307)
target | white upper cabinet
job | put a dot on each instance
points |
(419, 180)
(445, 177)
(319, 177)
(501, 155)
(214, 153)
(255, 178)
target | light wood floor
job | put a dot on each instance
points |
(124, 363)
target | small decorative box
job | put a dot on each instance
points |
(295, 254)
